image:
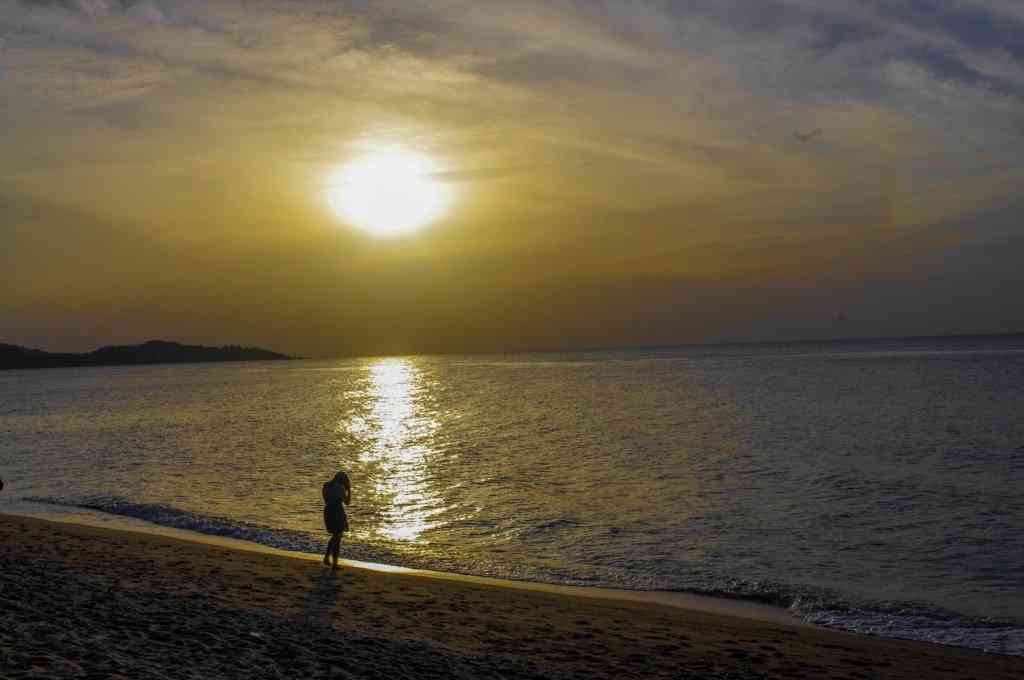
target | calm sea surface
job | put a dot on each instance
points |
(874, 486)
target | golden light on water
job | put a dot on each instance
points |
(389, 192)
(399, 431)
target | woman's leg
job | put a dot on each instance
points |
(330, 549)
(337, 547)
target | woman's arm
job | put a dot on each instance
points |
(348, 493)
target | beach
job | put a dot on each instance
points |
(81, 601)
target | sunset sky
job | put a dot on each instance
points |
(621, 172)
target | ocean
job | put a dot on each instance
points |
(872, 486)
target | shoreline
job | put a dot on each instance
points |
(83, 598)
(735, 607)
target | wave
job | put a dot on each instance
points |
(913, 622)
(168, 516)
(822, 607)
(547, 527)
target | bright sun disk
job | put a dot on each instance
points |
(389, 192)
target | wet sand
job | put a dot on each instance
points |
(79, 601)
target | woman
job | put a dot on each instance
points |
(337, 494)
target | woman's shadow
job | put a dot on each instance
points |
(321, 598)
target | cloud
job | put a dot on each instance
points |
(732, 75)
(477, 174)
(143, 10)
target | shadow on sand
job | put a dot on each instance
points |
(322, 597)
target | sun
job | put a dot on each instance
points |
(389, 192)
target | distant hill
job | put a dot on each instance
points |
(152, 352)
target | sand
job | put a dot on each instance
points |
(79, 601)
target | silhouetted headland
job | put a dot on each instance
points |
(152, 352)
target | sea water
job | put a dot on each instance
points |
(872, 486)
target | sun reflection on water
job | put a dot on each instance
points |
(397, 432)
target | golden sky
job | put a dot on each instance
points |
(646, 172)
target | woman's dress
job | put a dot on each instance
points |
(334, 510)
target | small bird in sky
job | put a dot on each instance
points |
(808, 136)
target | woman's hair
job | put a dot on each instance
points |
(340, 478)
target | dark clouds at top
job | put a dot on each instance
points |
(628, 172)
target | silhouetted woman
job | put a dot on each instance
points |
(337, 494)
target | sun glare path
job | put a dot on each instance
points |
(399, 428)
(389, 192)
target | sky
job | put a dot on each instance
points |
(625, 172)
